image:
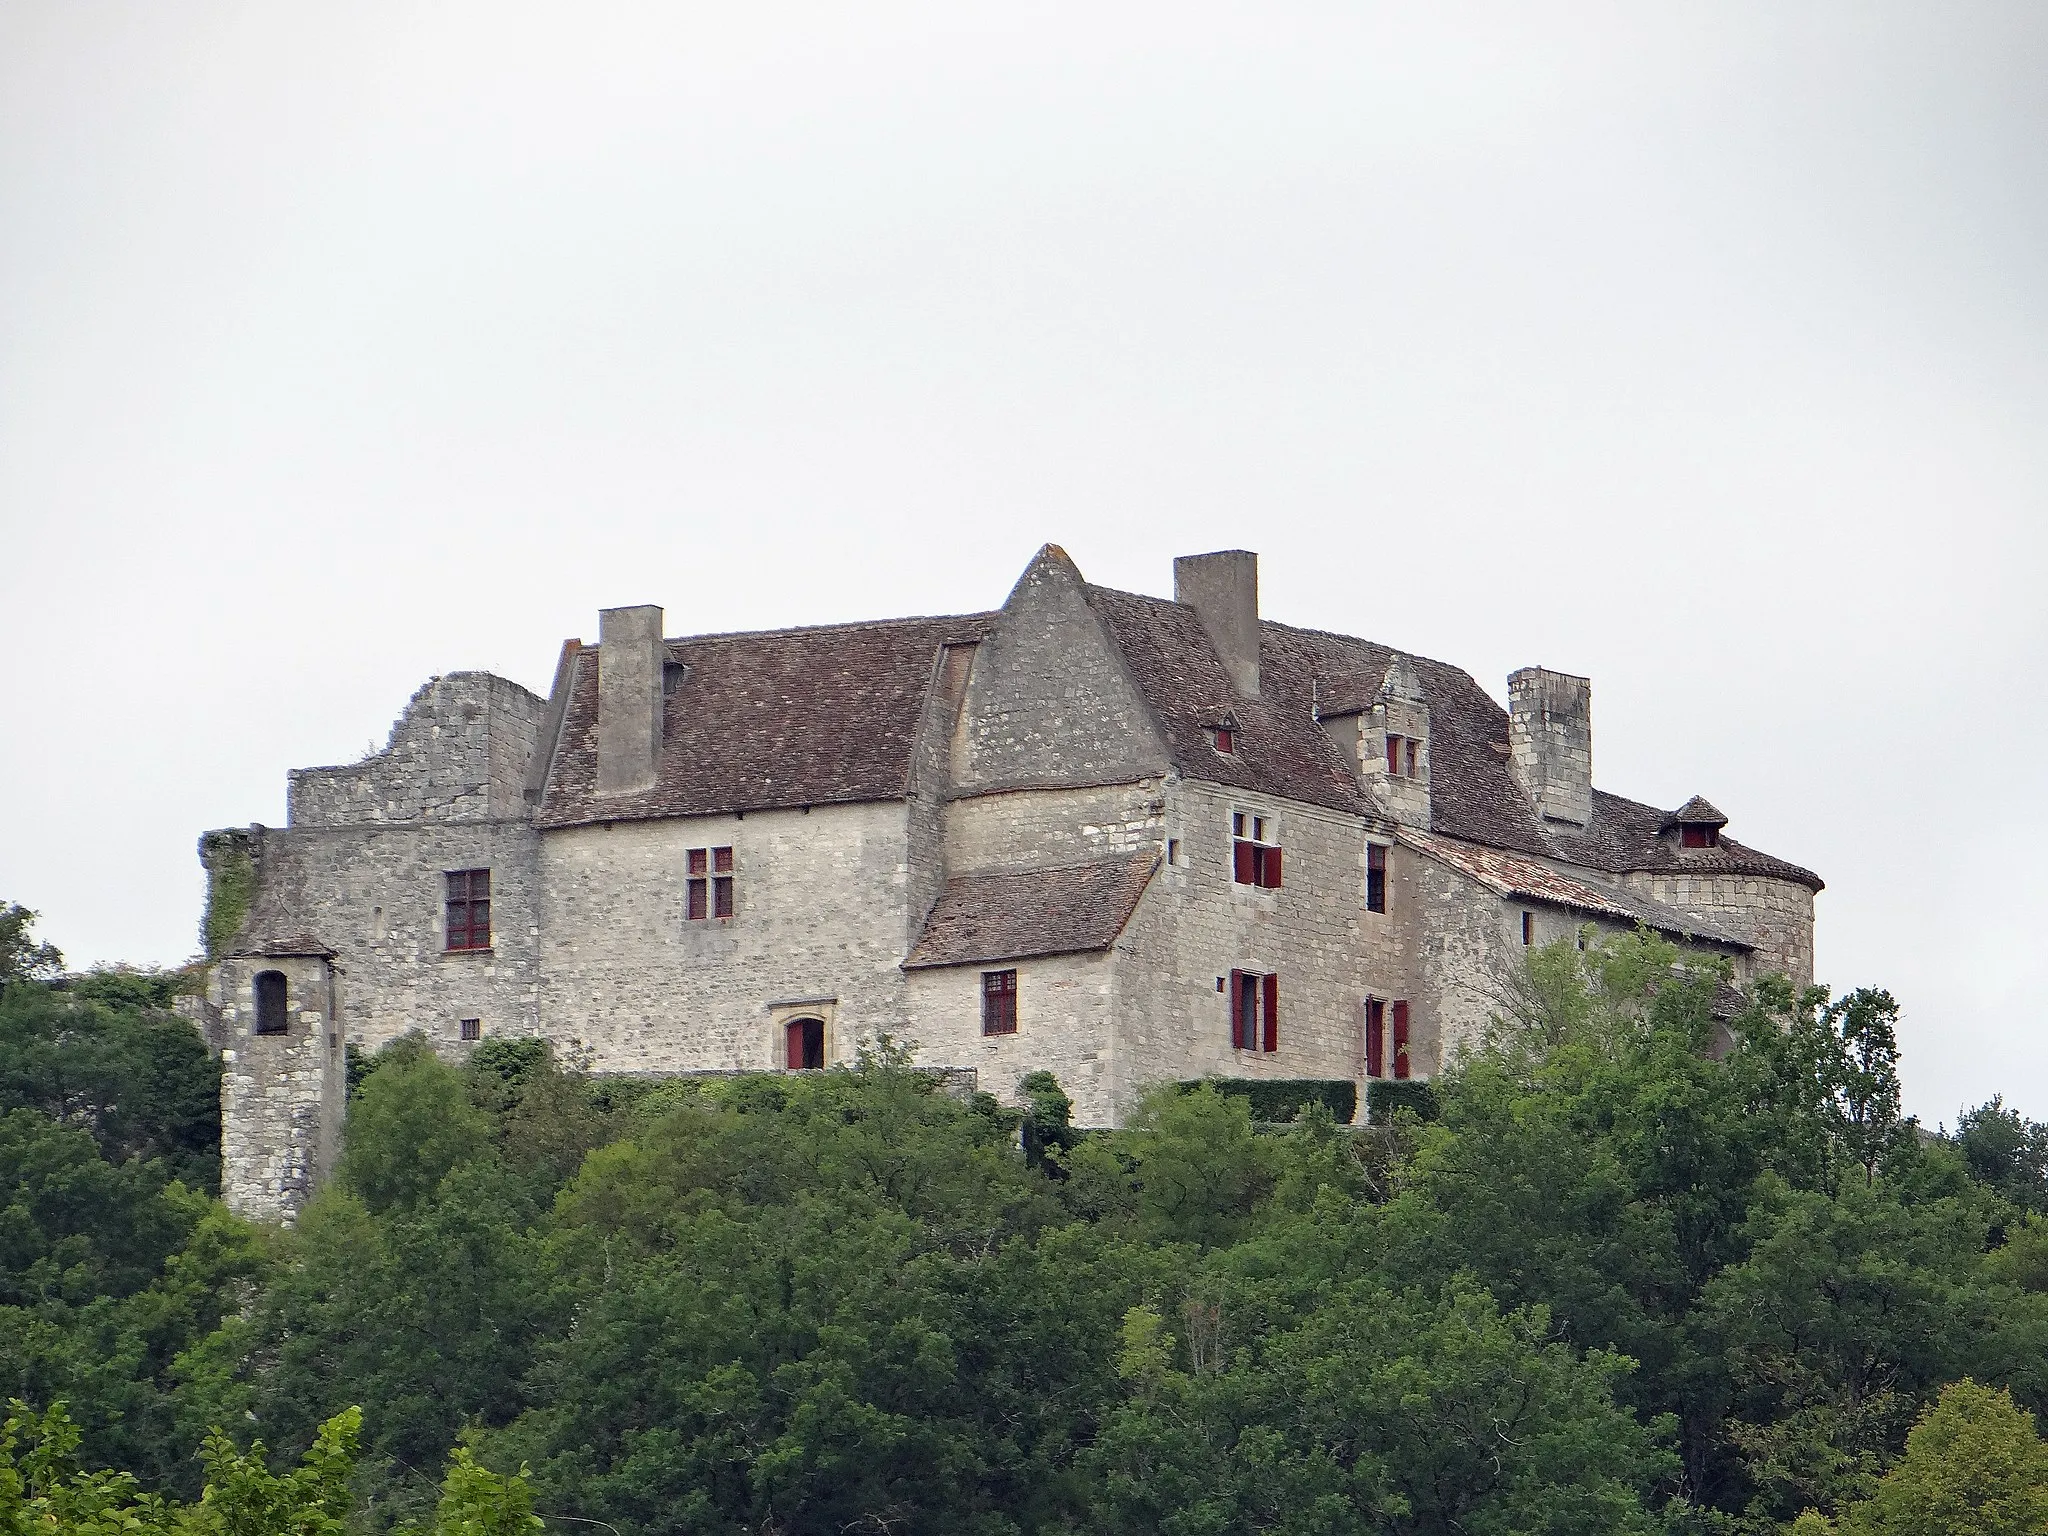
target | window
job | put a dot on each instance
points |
(1404, 756)
(469, 909)
(1254, 1011)
(804, 1044)
(1253, 860)
(1694, 834)
(1173, 850)
(1375, 1037)
(1400, 1012)
(1223, 740)
(271, 1017)
(1375, 878)
(1410, 746)
(1528, 927)
(999, 1002)
(472, 1029)
(710, 883)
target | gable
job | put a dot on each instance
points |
(1050, 701)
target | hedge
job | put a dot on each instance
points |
(1278, 1100)
(1384, 1095)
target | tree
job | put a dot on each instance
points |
(1974, 1466)
(2006, 1151)
(1867, 1087)
(21, 958)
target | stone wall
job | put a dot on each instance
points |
(820, 913)
(376, 895)
(1020, 829)
(1774, 915)
(458, 753)
(281, 1095)
(1050, 700)
(1063, 1027)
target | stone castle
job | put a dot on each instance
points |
(1116, 837)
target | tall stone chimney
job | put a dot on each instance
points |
(1550, 742)
(1223, 589)
(629, 667)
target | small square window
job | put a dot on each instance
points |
(999, 1002)
(472, 1029)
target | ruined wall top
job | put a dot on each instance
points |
(458, 753)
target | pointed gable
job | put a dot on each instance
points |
(1051, 700)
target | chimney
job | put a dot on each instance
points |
(1550, 742)
(1223, 589)
(629, 676)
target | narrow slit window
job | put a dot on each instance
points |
(1375, 877)
(469, 909)
(999, 1002)
(1528, 928)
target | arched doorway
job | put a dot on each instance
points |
(271, 1016)
(805, 1044)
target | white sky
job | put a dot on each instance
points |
(1696, 348)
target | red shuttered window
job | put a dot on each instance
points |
(1401, 1068)
(1254, 1011)
(1253, 860)
(708, 887)
(999, 1002)
(469, 909)
(1375, 1038)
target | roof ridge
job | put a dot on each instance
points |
(986, 616)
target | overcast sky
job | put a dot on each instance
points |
(1700, 349)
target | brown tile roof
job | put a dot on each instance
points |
(1015, 914)
(1281, 750)
(1698, 812)
(786, 717)
(1523, 879)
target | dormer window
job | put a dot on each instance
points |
(1404, 756)
(1222, 738)
(1698, 824)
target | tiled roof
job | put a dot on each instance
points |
(1524, 879)
(1015, 914)
(1698, 812)
(1281, 750)
(786, 717)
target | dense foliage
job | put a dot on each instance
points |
(1646, 1271)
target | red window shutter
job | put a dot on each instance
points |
(1393, 754)
(1400, 1039)
(1243, 855)
(1375, 1038)
(1223, 741)
(793, 1055)
(1237, 1010)
(1272, 1013)
(1272, 880)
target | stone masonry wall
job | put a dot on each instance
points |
(1774, 915)
(1050, 700)
(1195, 925)
(1063, 1027)
(1022, 829)
(376, 894)
(281, 1095)
(458, 753)
(819, 904)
